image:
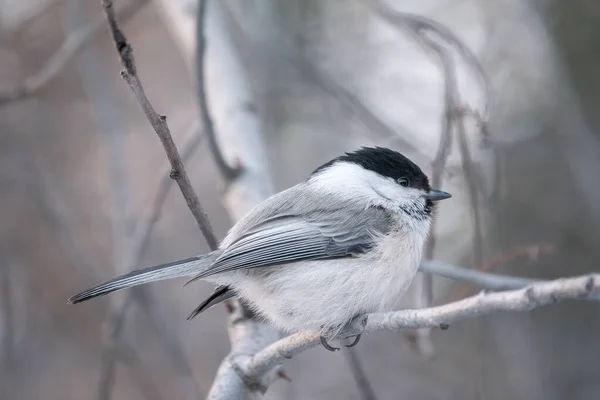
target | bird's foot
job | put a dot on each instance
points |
(352, 329)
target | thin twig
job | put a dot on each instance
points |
(228, 172)
(159, 123)
(257, 368)
(76, 40)
(483, 280)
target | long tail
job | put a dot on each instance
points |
(176, 269)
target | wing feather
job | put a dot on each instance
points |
(288, 238)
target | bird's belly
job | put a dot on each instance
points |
(324, 295)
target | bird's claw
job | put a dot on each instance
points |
(327, 345)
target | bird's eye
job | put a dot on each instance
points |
(404, 182)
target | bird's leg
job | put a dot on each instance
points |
(351, 329)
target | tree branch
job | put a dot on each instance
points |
(159, 123)
(75, 41)
(484, 280)
(259, 367)
(227, 172)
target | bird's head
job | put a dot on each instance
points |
(379, 177)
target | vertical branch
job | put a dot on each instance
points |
(227, 172)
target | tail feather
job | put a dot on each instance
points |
(176, 269)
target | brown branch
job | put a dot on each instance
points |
(76, 40)
(159, 123)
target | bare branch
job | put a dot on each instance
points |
(76, 40)
(227, 172)
(257, 368)
(484, 280)
(160, 126)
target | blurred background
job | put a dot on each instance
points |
(80, 169)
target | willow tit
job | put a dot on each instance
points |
(345, 242)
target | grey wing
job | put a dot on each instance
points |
(288, 238)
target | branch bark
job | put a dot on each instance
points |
(159, 123)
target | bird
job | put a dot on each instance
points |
(345, 242)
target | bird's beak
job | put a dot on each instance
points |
(435, 195)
